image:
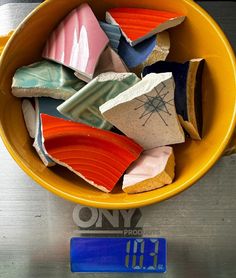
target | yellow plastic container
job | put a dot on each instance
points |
(198, 36)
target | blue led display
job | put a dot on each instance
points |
(118, 254)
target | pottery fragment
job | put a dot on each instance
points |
(84, 105)
(145, 53)
(188, 95)
(45, 78)
(98, 156)
(47, 106)
(109, 61)
(113, 33)
(146, 112)
(153, 169)
(77, 42)
(138, 24)
(29, 116)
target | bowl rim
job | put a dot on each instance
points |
(153, 199)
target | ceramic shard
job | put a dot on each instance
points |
(109, 61)
(29, 116)
(113, 33)
(100, 157)
(45, 78)
(145, 53)
(47, 106)
(146, 112)
(77, 42)
(139, 24)
(153, 169)
(188, 96)
(84, 105)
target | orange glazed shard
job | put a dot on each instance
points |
(138, 24)
(98, 156)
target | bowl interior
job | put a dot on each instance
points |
(197, 37)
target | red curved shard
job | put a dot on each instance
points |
(98, 156)
(139, 24)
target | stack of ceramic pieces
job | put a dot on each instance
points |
(96, 77)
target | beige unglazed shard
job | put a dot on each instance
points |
(153, 169)
(146, 112)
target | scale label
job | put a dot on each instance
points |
(118, 254)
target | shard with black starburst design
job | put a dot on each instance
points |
(156, 104)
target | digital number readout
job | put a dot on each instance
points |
(118, 255)
(135, 257)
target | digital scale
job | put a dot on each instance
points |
(128, 250)
(118, 254)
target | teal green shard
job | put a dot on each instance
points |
(45, 79)
(84, 105)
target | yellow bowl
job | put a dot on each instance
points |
(198, 36)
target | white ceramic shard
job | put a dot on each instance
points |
(146, 112)
(188, 93)
(29, 117)
(153, 169)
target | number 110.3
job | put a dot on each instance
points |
(134, 258)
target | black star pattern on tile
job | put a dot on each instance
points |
(155, 104)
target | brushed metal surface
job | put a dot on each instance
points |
(199, 224)
(11, 15)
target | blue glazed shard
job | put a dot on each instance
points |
(134, 56)
(145, 53)
(188, 96)
(113, 33)
(45, 78)
(48, 106)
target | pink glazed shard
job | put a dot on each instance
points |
(153, 169)
(77, 42)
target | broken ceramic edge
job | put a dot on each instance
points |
(47, 106)
(45, 79)
(109, 61)
(159, 53)
(153, 169)
(57, 161)
(188, 95)
(84, 105)
(114, 76)
(38, 139)
(145, 53)
(127, 15)
(77, 42)
(113, 33)
(146, 112)
(101, 158)
(29, 115)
